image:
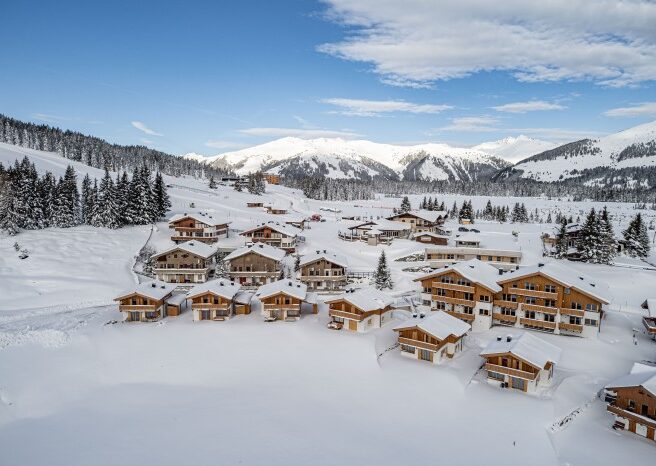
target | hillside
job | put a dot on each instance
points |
(625, 158)
(515, 149)
(364, 160)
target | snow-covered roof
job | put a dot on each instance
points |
(290, 287)
(440, 325)
(526, 347)
(176, 299)
(650, 306)
(220, 287)
(192, 247)
(641, 375)
(468, 238)
(365, 299)
(564, 275)
(281, 228)
(324, 254)
(382, 225)
(201, 218)
(243, 297)
(261, 249)
(428, 215)
(155, 289)
(432, 235)
(473, 270)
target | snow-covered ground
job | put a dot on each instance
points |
(76, 390)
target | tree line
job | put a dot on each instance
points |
(32, 202)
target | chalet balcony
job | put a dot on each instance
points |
(537, 308)
(508, 304)
(570, 327)
(188, 228)
(201, 238)
(282, 307)
(345, 315)
(174, 267)
(504, 318)
(533, 293)
(639, 419)
(510, 371)
(419, 344)
(210, 306)
(456, 301)
(461, 315)
(138, 307)
(454, 287)
(321, 278)
(254, 273)
(650, 324)
(571, 312)
(543, 324)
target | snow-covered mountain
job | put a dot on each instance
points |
(514, 149)
(340, 158)
(625, 157)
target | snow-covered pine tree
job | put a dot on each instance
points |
(405, 205)
(590, 241)
(549, 220)
(454, 210)
(9, 219)
(212, 183)
(561, 245)
(608, 241)
(85, 199)
(297, 263)
(382, 275)
(162, 201)
(636, 239)
(67, 201)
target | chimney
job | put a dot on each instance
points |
(154, 285)
(500, 271)
(498, 338)
(509, 338)
(289, 283)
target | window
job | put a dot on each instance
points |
(408, 349)
(509, 297)
(591, 322)
(467, 310)
(506, 311)
(550, 302)
(591, 307)
(484, 298)
(425, 355)
(440, 305)
(550, 288)
(483, 312)
(468, 296)
(495, 376)
(529, 286)
(631, 405)
(549, 318)
(447, 280)
(440, 292)
(530, 314)
(576, 305)
(518, 384)
(426, 290)
(574, 320)
(530, 300)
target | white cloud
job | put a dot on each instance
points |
(472, 124)
(638, 110)
(147, 142)
(142, 127)
(360, 107)
(221, 144)
(529, 106)
(299, 133)
(303, 122)
(418, 42)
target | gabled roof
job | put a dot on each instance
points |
(281, 228)
(641, 375)
(328, 256)
(527, 347)
(473, 270)
(261, 249)
(440, 325)
(366, 299)
(428, 215)
(468, 238)
(564, 275)
(201, 218)
(290, 287)
(243, 297)
(432, 235)
(383, 225)
(155, 289)
(192, 247)
(220, 287)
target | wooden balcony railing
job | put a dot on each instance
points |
(345, 315)
(650, 324)
(210, 306)
(537, 323)
(572, 312)
(457, 301)
(504, 317)
(533, 293)
(570, 327)
(461, 315)
(539, 308)
(454, 287)
(418, 344)
(138, 307)
(644, 420)
(508, 304)
(510, 371)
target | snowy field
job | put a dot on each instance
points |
(77, 389)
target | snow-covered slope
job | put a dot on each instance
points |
(339, 158)
(514, 149)
(627, 156)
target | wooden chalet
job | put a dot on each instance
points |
(464, 290)
(274, 234)
(271, 178)
(199, 227)
(284, 300)
(255, 204)
(632, 399)
(524, 362)
(255, 265)
(428, 237)
(552, 298)
(503, 254)
(649, 321)
(432, 338)
(273, 210)
(214, 300)
(323, 271)
(360, 310)
(190, 262)
(421, 220)
(375, 232)
(146, 302)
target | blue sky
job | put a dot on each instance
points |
(210, 77)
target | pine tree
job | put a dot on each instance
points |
(9, 219)
(405, 205)
(608, 242)
(549, 220)
(382, 275)
(636, 239)
(590, 242)
(67, 200)
(454, 210)
(488, 212)
(561, 246)
(86, 200)
(297, 263)
(162, 201)
(212, 183)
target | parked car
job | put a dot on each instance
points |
(463, 229)
(474, 230)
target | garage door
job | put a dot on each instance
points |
(353, 325)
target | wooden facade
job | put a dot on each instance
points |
(416, 222)
(515, 373)
(635, 410)
(180, 266)
(267, 234)
(323, 275)
(271, 178)
(194, 228)
(354, 318)
(419, 344)
(431, 239)
(443, 256)
(252, 270)
(210, 306)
